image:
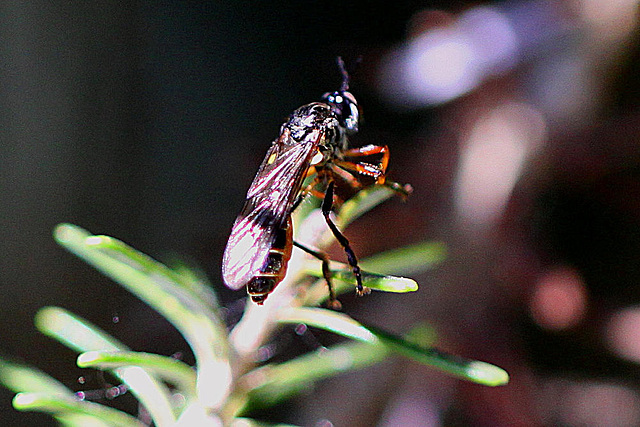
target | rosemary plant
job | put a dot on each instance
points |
(226, 382)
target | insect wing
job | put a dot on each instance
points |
(267, 209)
(246, 250)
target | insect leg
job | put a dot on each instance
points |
(362, 168)
(310, 189)
(297, 202)
(326, 273)
(377, 170)
(370, 150)
(346, 176)
(403, 190)
(344, 169)
(327, 204)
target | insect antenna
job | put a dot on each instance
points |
(345, 75)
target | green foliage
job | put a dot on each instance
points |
(226, 383)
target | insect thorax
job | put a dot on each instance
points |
(308, 120)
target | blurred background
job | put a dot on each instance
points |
(516, 122)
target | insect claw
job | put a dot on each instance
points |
(334, 304)
(363, 292)
(403, 190)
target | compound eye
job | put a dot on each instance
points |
(349, 97)
(349, 111)
(351, 121)
(345, 106)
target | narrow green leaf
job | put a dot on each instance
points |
(364, 201)
(74, 332)
(20, 378)
(328, 320)
(69, 419)
(270, 384)
(124, 264)
(379, 282)
(315, 234)
(344, 281)
(151, 393)
(470, 370)
(410, 259)
(194, 279)
(62, 405)
(160, 287)
(467, 369)
(169, 369)
(308, 205)
(82, 336)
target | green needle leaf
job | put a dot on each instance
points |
(163, 290)
(467, 369)
(20, 378)
(194, 279)
(379, 282)
(362, 202)
(410, 259)
(470, 370)
(328, 320)
(82, 336)
(344, 281)
(74, 332)
(69, 408)
(272, 384)
(169, 369)
(268, 385)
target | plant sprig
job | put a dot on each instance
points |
(227, 381)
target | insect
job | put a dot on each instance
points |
(312, 144)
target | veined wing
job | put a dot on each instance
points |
(269, 202)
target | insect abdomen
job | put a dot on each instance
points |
(274, 267)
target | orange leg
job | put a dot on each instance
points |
(378, 170)
(362, 168)
(371, 150)
(345, 175)
(325, 175)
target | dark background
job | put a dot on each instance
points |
(147, 121)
